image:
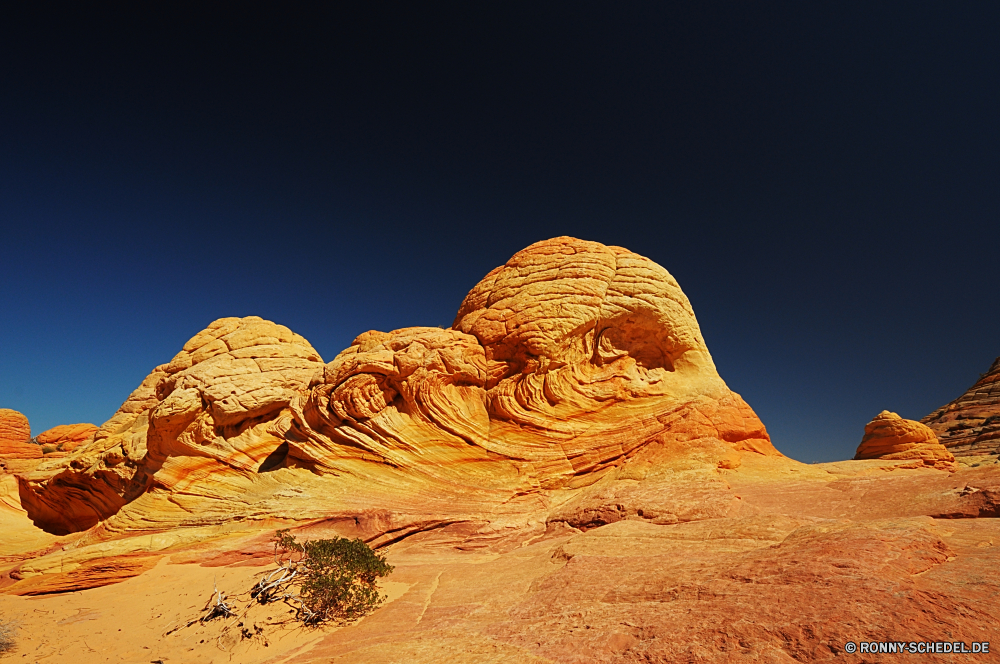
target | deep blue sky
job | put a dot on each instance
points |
(823, 182)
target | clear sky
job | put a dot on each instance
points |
(823, 181)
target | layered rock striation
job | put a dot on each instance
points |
(889, 436)
(970, 425)
(208, 409)
(66, 437)
(563, 477)
(20, 452)
(17, 451)
(15, 436)
(567, 364)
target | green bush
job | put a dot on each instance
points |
(335, 577)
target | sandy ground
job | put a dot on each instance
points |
(818, 556)
(142, 620)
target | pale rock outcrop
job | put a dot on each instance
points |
(889, 436)
(571, 363)
(202, 407)
(970, 425)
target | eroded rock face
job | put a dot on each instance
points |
(15, 437)
(564, 362)
(563, 477)
(66, 437)
(207, 404)
(20, 453)
(14, 427)
(564, 366)
(889, 436)
(970, 425)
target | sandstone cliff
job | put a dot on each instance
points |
(970, 425)
(17, 452)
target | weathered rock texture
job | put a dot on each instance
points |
(14, 427)
(15, 436)
(66, 437)
(570, 362)
(562, 477)
(970, 425)
(889, 436)
(208, 409)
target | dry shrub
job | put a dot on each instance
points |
(7, 630)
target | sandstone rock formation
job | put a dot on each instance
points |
(889, 436)
(570, 362)
(15, 436)
(14, 427)
(970, 425)
(561, 477)
(66, 437)
(208, 407)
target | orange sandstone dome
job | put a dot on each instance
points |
(889, 436)
(14, 427)
(15, 434)
(572, 361)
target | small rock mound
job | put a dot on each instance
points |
(889, 436)
(66, 437)
(15, 437)
(14, 427)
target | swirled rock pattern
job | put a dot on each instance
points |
(202, 411)
(562, 477)
(889, 436)
(566, 364)
(970, 425)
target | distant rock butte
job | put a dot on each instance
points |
(889, 436)
(970, 425)
(572, 361)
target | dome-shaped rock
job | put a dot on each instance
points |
(15, 434)
(570, 362)
(889, 436)
(201, 406)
